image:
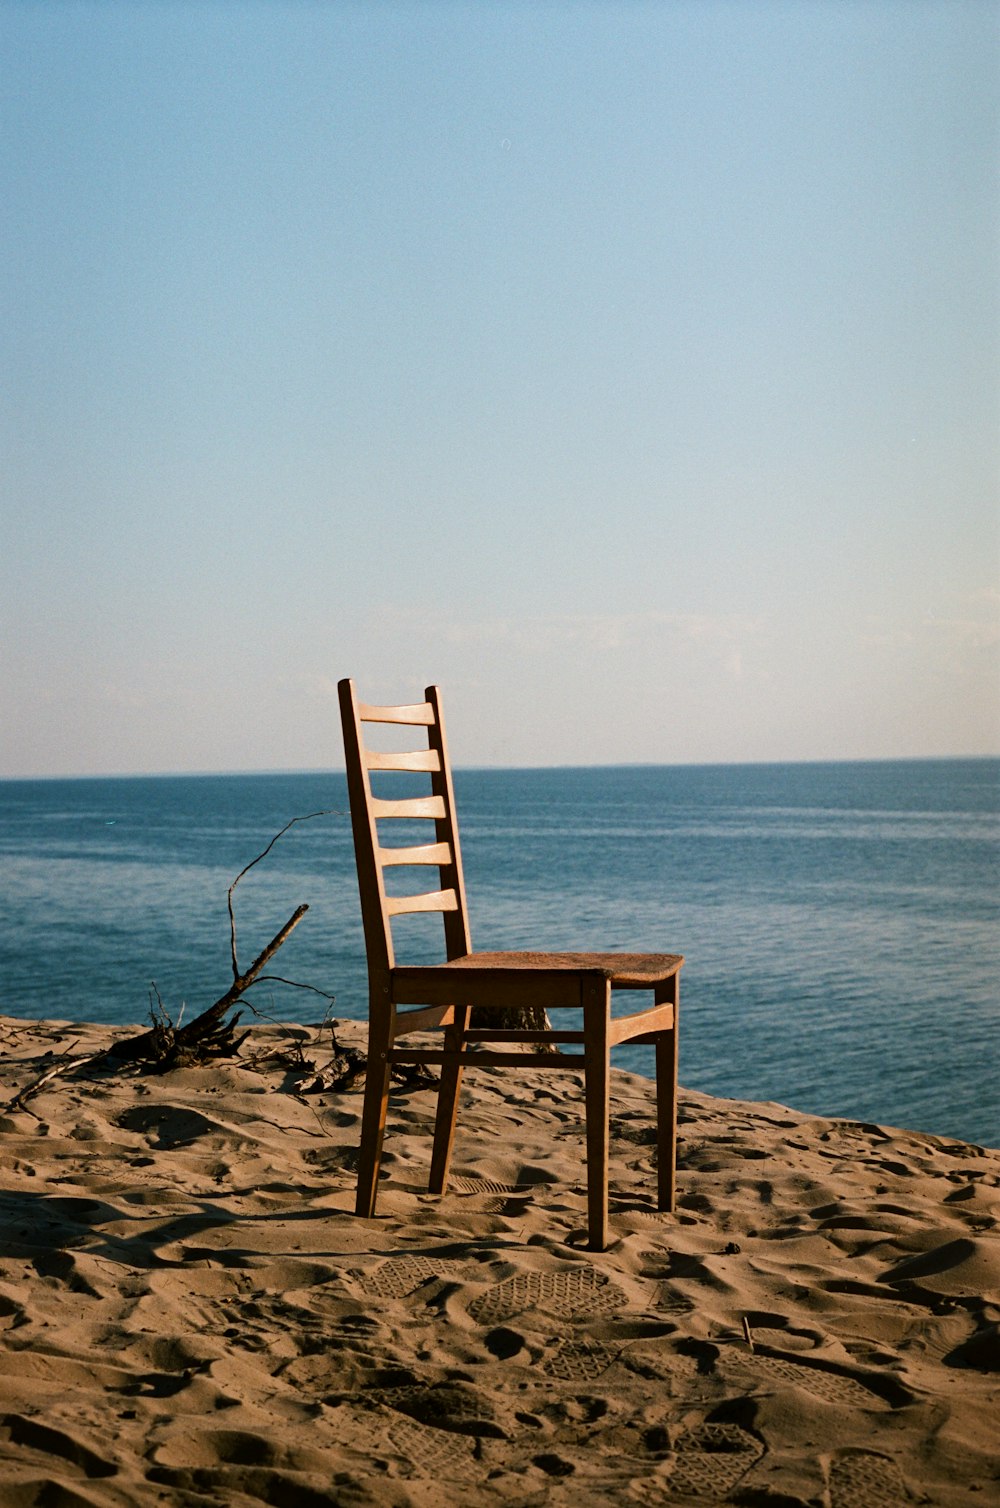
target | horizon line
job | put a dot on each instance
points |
(632, 764)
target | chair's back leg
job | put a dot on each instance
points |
(597, 1076)
(447, 1105)
(666, 1099)
(376, 1105)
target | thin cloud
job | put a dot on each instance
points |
(597, 631)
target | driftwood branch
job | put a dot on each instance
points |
(211, 1035)
(243, 982)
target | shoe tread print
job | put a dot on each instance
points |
(398, 1276)
(433, 1452)
(711, 1458)
(468, 1186)
(831, 1386)
(862, 1479)
(454, 1407)
(575, 1291)
(580, 1360)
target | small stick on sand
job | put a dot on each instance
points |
(746, 1332)
(67, 1065)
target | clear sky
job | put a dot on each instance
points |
(632, 370)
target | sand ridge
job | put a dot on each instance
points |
(191, 1314)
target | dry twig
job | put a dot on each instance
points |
(66, 1065)
(211, 1035)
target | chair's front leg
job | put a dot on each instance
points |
(447, 1105)
(666, 1098)
(597, 1075)
(375, 1107)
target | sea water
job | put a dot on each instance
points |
(839, 921)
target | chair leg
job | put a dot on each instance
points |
(666, 1101)
(374, 1110)
(447, 1105)
(597, 1077)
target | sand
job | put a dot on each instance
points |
(191, 1314)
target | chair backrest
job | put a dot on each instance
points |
(367, 810)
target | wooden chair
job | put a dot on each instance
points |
(444, 994)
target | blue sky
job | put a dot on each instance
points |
(631, 370)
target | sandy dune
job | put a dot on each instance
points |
(190, 1314)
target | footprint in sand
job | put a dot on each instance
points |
(861, 1479)
(397, 1277)
(831, 1386)
(456, 1407)
(434, 1453)
(770, 1367)
(467, 1186)
(580, 1360)
(669, 1301)
(576, 1291)
(491, 1197)
(712, 1458)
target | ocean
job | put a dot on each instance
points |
(839, 920)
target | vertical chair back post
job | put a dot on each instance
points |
(456, 923)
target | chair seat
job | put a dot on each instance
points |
(622, 970)
(550, 981)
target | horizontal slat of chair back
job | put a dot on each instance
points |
(413, 759)
(431, 900)
(423, 853)
(420, 715)
(410, 806)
